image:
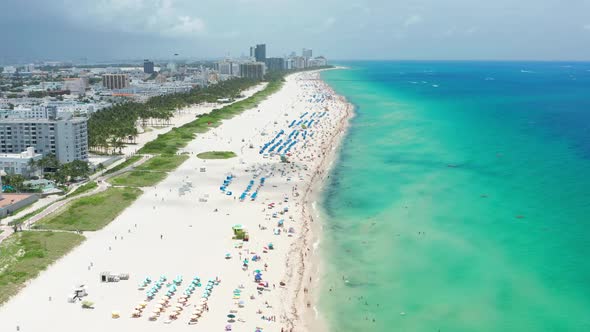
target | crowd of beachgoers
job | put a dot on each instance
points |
(218, 245)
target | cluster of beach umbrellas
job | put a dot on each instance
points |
(138, 310)
(201, 307)
(266, 145)
(226, 183)
(156, 287)
(254, 195)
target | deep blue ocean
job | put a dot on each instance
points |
(461, 198)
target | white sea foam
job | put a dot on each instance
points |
(315, 245)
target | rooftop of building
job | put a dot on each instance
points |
(40, 121)
(8, 199)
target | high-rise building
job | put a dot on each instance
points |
(148, 66)
(299, 62)
(260, 53)
(307, 53)
(229, 68)
(115, 81)
(275, 64)
(252, 70)
(317, 62)
(64, 136)
(289, 63)
(33, 112)
(252, 52)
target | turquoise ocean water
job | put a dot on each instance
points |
(461, 199)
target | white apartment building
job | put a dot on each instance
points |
(65, 136)
(19, 163)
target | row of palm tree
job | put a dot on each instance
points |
(111, 128)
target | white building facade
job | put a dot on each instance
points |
(20, 163)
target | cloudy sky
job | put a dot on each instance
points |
(339, 29)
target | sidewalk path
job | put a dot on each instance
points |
(57, 204)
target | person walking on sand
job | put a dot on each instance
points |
(161, 236)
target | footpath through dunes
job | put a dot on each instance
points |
(182, 228)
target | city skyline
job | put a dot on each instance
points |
(457, 29)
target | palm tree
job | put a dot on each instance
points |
(32, 165)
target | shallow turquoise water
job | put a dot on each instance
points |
(461, 198)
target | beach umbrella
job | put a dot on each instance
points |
(231, 316)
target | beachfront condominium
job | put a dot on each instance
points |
(275, 64)
(64, 136)
(306, 53)
(115, 81)
(228, 68)
(252, 70)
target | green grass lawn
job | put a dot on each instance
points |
(124, 164)
(138, 179)
(177, 138)
(162, 163)
(84, 188)
(24, 254)
(91, 213)
(216, 155)
(29, 215)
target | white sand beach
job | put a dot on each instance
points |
(183, 227)
(181, 117)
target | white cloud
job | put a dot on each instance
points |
(329, 22)
(167, 18)
(471, 31)
(449, 32)
(186, 25)
(413, 20)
